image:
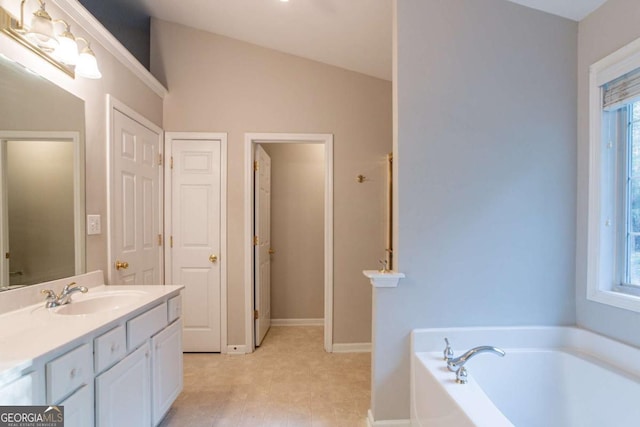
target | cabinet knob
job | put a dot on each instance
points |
(73, 373)
(122, 265)
(213, 258)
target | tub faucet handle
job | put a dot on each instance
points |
(461, 375)
(448, 352)
(383, 266)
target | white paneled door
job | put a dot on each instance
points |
(262, 243)
(136, 251)
(196, 232)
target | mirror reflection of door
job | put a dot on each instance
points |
(38, 211)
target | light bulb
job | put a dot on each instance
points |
(67, 50)
(87, 65)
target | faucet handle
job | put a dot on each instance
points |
(461, 375)
(50, 295)
(383, 266)
(448, 351)
(67, 287)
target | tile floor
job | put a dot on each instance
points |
(289, 381)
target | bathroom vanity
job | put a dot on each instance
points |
(111, 357)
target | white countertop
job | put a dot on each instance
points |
(32, 332)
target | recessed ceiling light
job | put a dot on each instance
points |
(284, 1)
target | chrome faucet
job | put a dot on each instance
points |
(65, 296)
(457, 364)
(51, 298)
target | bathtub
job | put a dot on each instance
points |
(549, 377)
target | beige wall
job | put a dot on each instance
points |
(224, 85)
(118, 81)
(297, 230)
(606, 30)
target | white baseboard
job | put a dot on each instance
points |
(297, 322)
(386, 423)
(364, 347)
(237, 349)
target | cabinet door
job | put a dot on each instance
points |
(167, 369)
(78, 408)
(123, 393)
(26, 390)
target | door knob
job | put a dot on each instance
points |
(272, 251)
(122, 265)
(213, 258)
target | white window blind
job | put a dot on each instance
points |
(623, 90)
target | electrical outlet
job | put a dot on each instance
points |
(93, 225)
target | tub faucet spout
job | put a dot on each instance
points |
(454, 364)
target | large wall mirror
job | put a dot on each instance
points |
(42, 133)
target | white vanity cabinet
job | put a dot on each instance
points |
(139, 389)
(166, 378)
(69, 382)
(123, 393)
(78, 408)
(113, 368)
(25, 390)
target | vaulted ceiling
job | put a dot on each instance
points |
(352, 34)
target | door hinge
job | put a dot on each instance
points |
(7, 255)
(159, 239)
(256, 314)
(255, 241)
(159, 159)
(170, 241)
(256, 166)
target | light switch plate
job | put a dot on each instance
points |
(93, 225)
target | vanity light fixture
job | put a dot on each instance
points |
(87, 65)
(67, 50)
(41, 31)
(61, 50)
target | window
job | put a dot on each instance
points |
(631, 176)
(613, 265)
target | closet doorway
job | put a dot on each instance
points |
(258, 252)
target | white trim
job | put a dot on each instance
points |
(386, 423)
(114, 104)
(599, 288)
(236, 349)
(297, 322)
(93, 27)
(4, 214)
(387, 279)
(207, 136)
(356, 347)
(79, 229)
(264, 138)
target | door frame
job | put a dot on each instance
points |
(114, 104)
(250, 139)
(169, 137)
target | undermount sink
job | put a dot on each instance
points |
(103, 301)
